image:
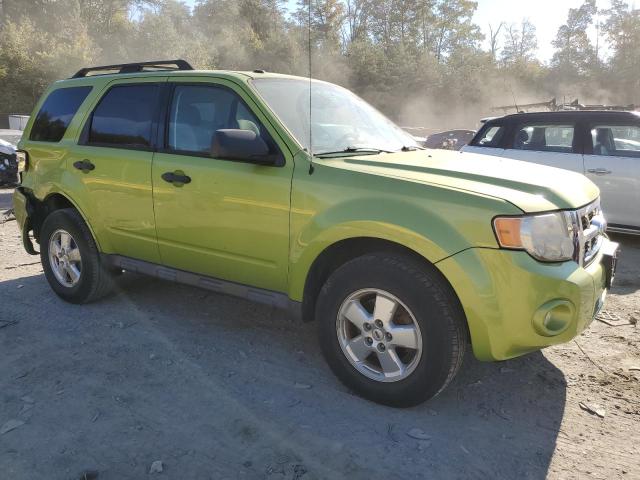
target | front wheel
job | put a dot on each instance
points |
(70, 258)
(391, 328)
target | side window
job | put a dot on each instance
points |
(124, 117)
(491, 136)
(616, 140)
(56, 113)
(197, 111)
(545, 138)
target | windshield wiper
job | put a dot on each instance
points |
(411, 148)
(363, 150)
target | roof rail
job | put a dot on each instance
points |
(136, 67)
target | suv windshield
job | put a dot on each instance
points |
(340, 121)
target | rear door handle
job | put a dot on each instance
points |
(599, 171)
(177, 178)
(84, 165)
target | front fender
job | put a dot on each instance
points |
(334, 205)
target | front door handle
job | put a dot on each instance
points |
(84, 165)
(177, 178)
(599, 171)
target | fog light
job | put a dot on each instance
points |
(554, 317)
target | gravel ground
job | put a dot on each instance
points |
(216, 387)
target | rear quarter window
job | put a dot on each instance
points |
(490, 136)
(56, 113)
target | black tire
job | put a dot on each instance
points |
(95, 279)
(423, 290)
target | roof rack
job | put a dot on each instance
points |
(136, 67)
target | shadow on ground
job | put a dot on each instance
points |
(217, 387)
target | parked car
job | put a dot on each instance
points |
(449, 140)
(8, 163)
(603, 145)
(399, 254)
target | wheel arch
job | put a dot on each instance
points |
(341, 251)
(41, 209)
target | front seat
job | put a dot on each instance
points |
(602, 146)
(521, 140)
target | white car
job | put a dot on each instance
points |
(603, 145)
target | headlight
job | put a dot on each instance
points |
(547, 237)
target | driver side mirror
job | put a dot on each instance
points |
(241, 145)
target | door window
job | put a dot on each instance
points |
(490, 137)
(197, 111)
(545, 138)
(56, 113)
(124, 117)
(616, 140)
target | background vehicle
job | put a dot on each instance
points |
(449, 140)
(8, 163)
(400, 254)
(603, 145)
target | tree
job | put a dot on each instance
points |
(575, 55)
(520, 43)
(622, 27)
(455, 28)
(327, 17)
(493, 40)
(356, 16)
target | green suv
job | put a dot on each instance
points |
(300, 195)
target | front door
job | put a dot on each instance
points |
(231, 221)
(613, 164)
(112, 162)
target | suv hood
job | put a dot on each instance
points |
(531, 187)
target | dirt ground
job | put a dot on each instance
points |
(215, 387)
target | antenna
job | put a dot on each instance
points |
(515, 102)
(311, 167)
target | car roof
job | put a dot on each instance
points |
(236, 75)
(568, 115)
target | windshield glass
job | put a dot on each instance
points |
(340, 120)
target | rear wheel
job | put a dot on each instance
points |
(391, 328)
(70, 258)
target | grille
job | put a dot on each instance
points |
(589, 232)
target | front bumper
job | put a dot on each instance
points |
(515, 304)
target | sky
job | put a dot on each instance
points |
(546, 15)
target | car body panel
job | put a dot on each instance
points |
(338, 203)
(619, 184)
(528, 186)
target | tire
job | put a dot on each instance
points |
(94, 280)
(424, 299)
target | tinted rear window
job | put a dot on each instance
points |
(56, 113)
(124, 117)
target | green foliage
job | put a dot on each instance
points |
(416, 60)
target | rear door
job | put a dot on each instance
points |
(612, 161)
(112, 166)
(231, 221)
(553, 144)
